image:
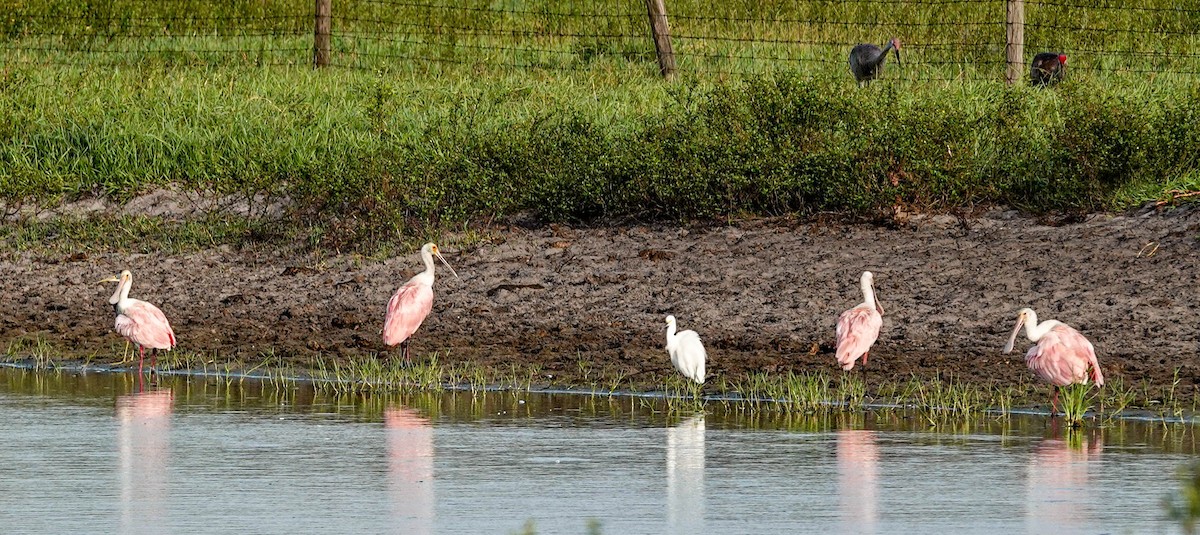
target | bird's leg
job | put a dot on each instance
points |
(153, 360)
(865, 358)
(404, 349)
(141, 359)
(1054, 402)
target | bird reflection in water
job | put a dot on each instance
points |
(1059, 492)
(685, 476)
(410, 469)
(144, 447)
(858, 479)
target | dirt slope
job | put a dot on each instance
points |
(763, 296)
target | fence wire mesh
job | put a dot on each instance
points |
(942, 39)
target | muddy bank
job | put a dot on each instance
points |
(764, 296)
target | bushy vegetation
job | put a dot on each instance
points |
(413, 143)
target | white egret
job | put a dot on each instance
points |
(687, 351)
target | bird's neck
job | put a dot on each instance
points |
(123, 304)
(1035, 331)
(428, 258)
(868, 294)
(670, 334)
(882, 55)
(121, 295)
(424, 277)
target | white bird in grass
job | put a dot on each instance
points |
(687, 351)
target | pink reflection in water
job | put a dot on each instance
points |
(685, 476)
(143, 451)
(1059, 491)
(410, 469)
(858, 480)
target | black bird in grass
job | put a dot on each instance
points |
(1047, 68)
(866, 60)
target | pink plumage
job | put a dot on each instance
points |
(406, 310)
(1063, 356)
(145, 325)
(140, 322)
(857, 330)
(1060, 355)
(411, 304)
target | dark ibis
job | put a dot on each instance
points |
(1047, 68)
(866, 60)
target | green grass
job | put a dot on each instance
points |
(947, 40)
(1076, 400)
(583, 130)
(76, 236)
(362, 161)
(938, 400)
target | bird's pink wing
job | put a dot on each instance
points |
(857, 330)
(405, 312)
(1082, 353)
(1097, 375)
(145, 325)
(1063, 357)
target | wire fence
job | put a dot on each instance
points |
(941, 39)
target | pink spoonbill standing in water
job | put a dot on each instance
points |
(412, 302)
(858, 328)
(140, 322)
(1061, 355)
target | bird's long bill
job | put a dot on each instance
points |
(1012, 340)
(898, 62)
(110, 279)
(443, 259)
(875, 294)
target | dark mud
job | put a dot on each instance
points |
(763, 295)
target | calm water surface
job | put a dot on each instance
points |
(93, 454)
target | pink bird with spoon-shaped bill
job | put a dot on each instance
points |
(412, 302)
(140, 322)
(858, 328)
(1061, 355)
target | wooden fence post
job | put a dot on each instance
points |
(662, 37)
(1014, 44)
(321, 35)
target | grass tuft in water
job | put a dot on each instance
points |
(852, 391)
(1076, 399)
(949, 395)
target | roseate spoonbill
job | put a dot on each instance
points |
(412, 302)
(858, 328)
(1047, 68)
(687, 351)
(1061, 357)
(140, 322)
(866, 60)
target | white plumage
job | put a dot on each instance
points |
(687, 351)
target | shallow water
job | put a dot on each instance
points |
(93, 454)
